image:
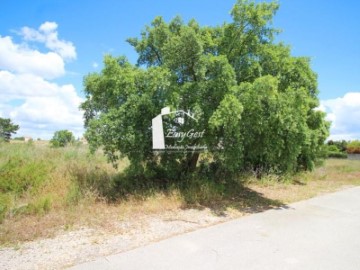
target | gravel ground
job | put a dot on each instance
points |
(85, 244)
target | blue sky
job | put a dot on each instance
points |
(56, 43)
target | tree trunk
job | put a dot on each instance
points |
(192, 160)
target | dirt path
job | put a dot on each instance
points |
(84, 244)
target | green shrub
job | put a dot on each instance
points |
(5, 205)
(333, 148)
(19, 174)
(40, 206)
(333, 154)
(73, 195)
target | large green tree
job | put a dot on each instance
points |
(7, 128)
(256, 102)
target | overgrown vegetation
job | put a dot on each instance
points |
(35, 178)
(54, 188)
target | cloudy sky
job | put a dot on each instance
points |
(46, 48)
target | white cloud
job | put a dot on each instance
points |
(344, 112)
(15, 86)
(95, 65)
(48, 27)
(44, 102)
(48, 35)
(39, 106)
(21, 59)
(59, 109)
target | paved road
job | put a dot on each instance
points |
(322, 233)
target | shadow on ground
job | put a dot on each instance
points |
(243, 199)
(195, 193)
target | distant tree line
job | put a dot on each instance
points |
(61, 138)
(341, 149)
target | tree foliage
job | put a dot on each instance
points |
(255, 100)
(62, 138)
(7, 128)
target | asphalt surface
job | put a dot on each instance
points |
(320, 233)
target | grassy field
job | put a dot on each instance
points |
(44, 190)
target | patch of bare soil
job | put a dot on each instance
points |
(68, 248)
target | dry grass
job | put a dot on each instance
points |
(74, 194)
(336, 174)
(95, 214)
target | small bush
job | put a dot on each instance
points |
(40, 206)
(19, 174)
(333, 148)
(332, 154)
(73, 195)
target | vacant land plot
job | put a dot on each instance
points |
(77, 206)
